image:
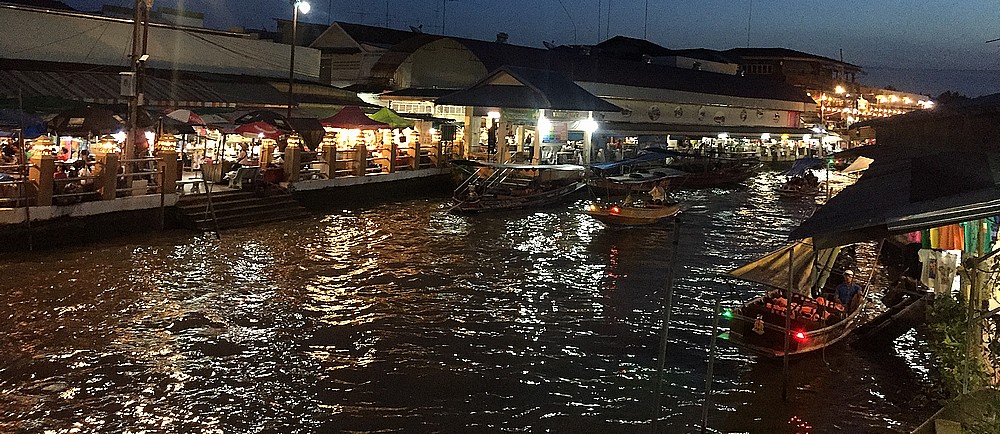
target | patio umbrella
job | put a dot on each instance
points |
(351, 117)
(390, 117)
(85, 120)
(266, 116)
(186, 116)
(255, 129)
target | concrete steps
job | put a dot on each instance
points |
(235, 209)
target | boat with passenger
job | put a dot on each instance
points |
(498, 186)
(635, 210)
(788, 319)
(800, 181)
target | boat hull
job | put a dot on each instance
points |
(620, 215)
(503, 202)
(804, 335)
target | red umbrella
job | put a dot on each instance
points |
(186, 116)
(351, 117)
(256, 129)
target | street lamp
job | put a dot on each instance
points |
(297, 5)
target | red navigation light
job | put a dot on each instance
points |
(615, 210)
(800, 336)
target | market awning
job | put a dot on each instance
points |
(809, 267)
(900, 196)
(526, 88)
(84, 121)
(390, 117)
(352, 117)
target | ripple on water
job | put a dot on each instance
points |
(403, 317)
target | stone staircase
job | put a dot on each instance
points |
(237, 208)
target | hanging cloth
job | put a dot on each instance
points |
(935, 238)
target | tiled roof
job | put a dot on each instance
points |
(540, 89)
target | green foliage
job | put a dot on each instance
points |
(948, 329)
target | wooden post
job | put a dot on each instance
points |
(706, 405)
(360, 159)
(329, 150)
(106, 173)
(41, 174)
(266, 154)
(661, 359)
(293, 161)
(168, 166)
(788, 326)
(393, 154)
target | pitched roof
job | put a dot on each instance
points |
(780, 53)
(530, 89)
(598, 68)
(379, 36)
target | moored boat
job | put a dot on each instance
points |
(800, 181)
(494, 186)
(632, 214)
(787, 319)
(702, 170)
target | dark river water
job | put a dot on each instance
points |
(400, 317)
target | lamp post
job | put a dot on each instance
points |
(296, 6)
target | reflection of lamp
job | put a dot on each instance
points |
(167, 143)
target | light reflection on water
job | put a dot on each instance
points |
(402, 317)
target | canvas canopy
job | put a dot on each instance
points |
(858, 165)
(810, 268)
(386, 115)
(352, 117)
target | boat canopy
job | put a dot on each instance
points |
(801, 165)
(644, 177)
(810, 268)
(474, 163)
(859, 164)
(648, 155)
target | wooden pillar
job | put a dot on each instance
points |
(43, 167)
(293, 159)
(393, 154)
(106, 175)
(502, 146)
(414, 151)
(266, 153)
(329, 150)
(471, 136)
(360, 159)
(168, 167)
(519, 137)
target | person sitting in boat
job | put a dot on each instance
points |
(658, 194)
(848, 290)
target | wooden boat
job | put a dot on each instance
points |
(629, 212)
(704, 170)
(494, 186)
(632, 214)
(641, 179)
(789, 312)
(800, 182)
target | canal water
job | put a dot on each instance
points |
(401, 317)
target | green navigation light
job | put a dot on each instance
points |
(728, 314)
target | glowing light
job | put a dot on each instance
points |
(544, 126)
(839, 89)
(119, 136)
(806, 136)
(150, 136)
(765, 136)
(723, 135)
(800, 336)
(728, 314)
(304, 7)
(589, 125)
(432, 130)
(493, 115)
(615, 210)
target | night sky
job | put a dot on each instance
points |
(928, 46)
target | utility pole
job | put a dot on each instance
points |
(140, 15)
